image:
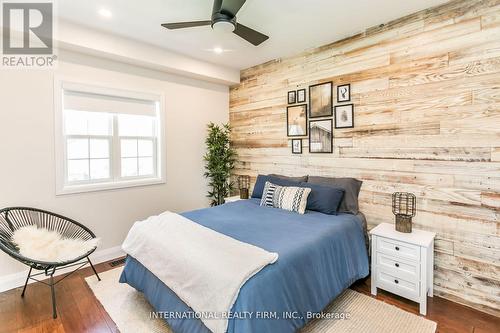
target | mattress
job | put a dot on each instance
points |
(319, 257)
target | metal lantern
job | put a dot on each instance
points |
(404, 206)
(244, 185)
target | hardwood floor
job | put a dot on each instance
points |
(451, 317)
(79, 310)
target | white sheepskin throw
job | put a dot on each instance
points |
(46, 245)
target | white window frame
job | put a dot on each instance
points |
(63, 187)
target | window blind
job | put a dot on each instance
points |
(91, 102)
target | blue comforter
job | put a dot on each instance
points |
(319, 257)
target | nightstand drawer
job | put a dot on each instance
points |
(400, 249)
(398, 285)
(408, 269)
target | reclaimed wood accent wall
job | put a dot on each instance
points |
(426, 93)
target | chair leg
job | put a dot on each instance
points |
(26, 283)
(52, 291)
(93, 268)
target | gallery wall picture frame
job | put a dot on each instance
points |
(344, 93)
(296, 146)
(292, 97)
(344, 116)
(320, 100)
(301, 96)
(296, 120)
(321, 136)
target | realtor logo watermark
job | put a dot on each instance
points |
(28, 34)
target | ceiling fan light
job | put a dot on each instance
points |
(223, 26)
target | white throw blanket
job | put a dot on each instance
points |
(206, 269)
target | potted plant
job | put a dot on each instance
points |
(219, 162)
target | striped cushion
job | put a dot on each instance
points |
(285, 197)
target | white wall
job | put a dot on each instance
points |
(74, 37)
(27, 165)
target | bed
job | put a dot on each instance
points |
(319, 257)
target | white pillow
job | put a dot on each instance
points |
(290, 198)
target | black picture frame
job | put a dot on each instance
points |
(291, 97)
(339, 87)
(301, 100)
(337, 108)
(306, 125)
(311, 134)
(328, 107)
(300, 146)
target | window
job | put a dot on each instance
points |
(137, 145)
(88, 137)
(107, 138)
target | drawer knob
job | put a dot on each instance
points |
(396, 264)
(396, 281)
(397, 248)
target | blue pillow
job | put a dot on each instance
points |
(261, 182)
(324, 199)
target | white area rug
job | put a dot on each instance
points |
(131, 312)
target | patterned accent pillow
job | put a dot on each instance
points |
(290, 198)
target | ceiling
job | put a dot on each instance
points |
(293, 25)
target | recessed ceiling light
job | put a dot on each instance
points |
(218, 50)
(105, 13)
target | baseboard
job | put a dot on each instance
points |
(107, 254)
(15, 280)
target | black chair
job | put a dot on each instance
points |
(13, 218)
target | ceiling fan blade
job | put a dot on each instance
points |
(180, 25)
(250, 35)
(231, 7)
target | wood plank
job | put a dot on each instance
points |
(490, 20)
(453, 72)
(479, 290)
(459, 42)
(471, 154)
(495, 154)
(426, 94)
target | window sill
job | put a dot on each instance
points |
(82, 188)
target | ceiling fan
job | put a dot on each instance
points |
(224, 19)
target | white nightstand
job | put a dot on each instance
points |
(403, 263)
(233, 198)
